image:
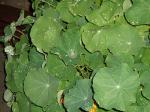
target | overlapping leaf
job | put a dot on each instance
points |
(117, 60)
(105, 14)
(56, 67)
(65, 14)
(69, 48)
(45, 33)
(81, 7)
(116, 38)
(80, 96)
(36, 59)
(139, 13)
(145, 77)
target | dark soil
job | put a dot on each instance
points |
(7, 15)
(3, 106)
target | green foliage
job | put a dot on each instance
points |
(73, 54)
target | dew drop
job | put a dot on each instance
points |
(47, 85)
(118, 86)
(129, 43)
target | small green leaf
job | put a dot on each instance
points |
(9, 50)
(146, 56)
(23, 102)
(8, 95)
(105, 14)
(28, 20)
(22, 45)
(145, 77)
(79, 96)
(63, 9)
(15, 107)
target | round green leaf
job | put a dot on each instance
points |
(45, 33)
(41, 87)
(139, 13)
(116, 87)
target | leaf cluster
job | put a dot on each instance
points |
(73, 54)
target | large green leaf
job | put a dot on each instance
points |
(70, 49)
(139, 13)
(80, 96)
(41, 87)
(45, 33)
(117, 38)
(116, 87)
(145, 77)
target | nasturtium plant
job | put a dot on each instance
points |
(79, 56)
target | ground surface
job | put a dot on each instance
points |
(3, 106)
